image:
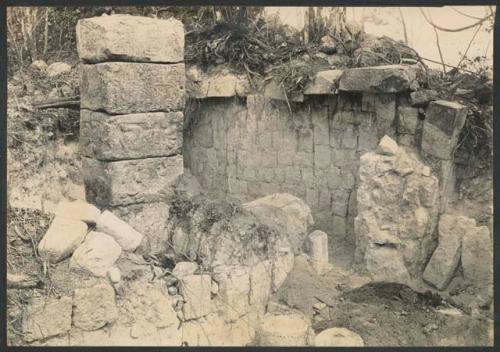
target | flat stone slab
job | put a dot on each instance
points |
(132, 136)
(130, 38)
(126, 182)
(77, 210)
(448, 116)
(325, 82)
(126, 88)
(379, 79)
(47, 317)
(62, 238)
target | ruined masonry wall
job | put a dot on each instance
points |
(132, 100)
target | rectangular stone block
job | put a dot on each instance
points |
(62, 238)
(129, 181)
(132, 136)
(408, 119)
(436, 142)
(195, 289)
(324, 82)
(130, 38)
(379, 79)
(448, 116)
(126, 88)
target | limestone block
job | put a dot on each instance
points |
(338, 337)
(283, 330)
(234, 291)
(124, 234)
(62, 238)
(77, 210)
(282, 265)
(130, 38)
(260, 283)
(423, 97)
(437, 143)
(94, 307)
(58, 68)
(132, 136)
(96, 255)
(274, 91)
(318, 250)
(477, 257)
(387, 146)
(448, 116)
(445, 259)
(46, 317)
(408, 119)
(324, 82)
(385, 263)
(126, 88)
(126, 182)
(184, 269)
(379, 79)
(195, 289)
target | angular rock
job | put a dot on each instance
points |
(445, 259)
(77, 210)
(127, 182)
(195, 289)
(94, 307)
(58, 68)
(62, 238)
(387, 146)
(283, 330)
(96, 255)
(423, 97)
(130, 38)
(184, 269)
(437, 143)
(132, 136)
(124, 234)
(448, 116)
(318, 250)
(46, 317)
(379, 79)
(325, 82)
(338, 337)
(477, 257)
(234, 289)
(285, 212)
(127, 88)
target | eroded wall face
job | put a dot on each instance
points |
(249, 148)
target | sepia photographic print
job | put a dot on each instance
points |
(249, 176)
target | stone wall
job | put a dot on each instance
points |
(247, 146)
(132, 98)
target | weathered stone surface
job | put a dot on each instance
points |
(286, 212)
(124, 234)
(129, 181)
(58, 68)
(437, 143)
(325, 82)
(260, 284)
(423, 97)
(94, 307)
(126, 88)
(283, 330)
(184, 269)
(328, 45)
(379, 79)
(387, 146)
(338, 337)
(275, 91)
(445, 259)
(46, 317)
(234, 289)
(282, 265)
(477, 257)
(318, 250)
(448, 116)
(132, 136)
(196, 292)
(397, 208)
(408, 119)
(61, 239)
(130, 38)
(39, 65)
(96, 255)
(149, 219)
(77, 210)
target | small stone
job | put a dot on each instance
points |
(426, 171)
(46, 317)
(171, 280)
(319, 306)
(184, 269)
(214, 289)
(94, 307)
(423, 97)
(338, 337)
(61, 239)
(96, 255)
(39, 65)
(172, 290)
(328, 45)
(387, 146)
(114, 275)
(58, 68)
(124, 234)
(78, 210)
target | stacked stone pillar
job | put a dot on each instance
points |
(132, 89)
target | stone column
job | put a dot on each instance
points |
(132, 87)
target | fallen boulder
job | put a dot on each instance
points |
(78, 210)
(124, 234)
(62, 238)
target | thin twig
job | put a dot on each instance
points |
(429, 20)
(470, 43)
